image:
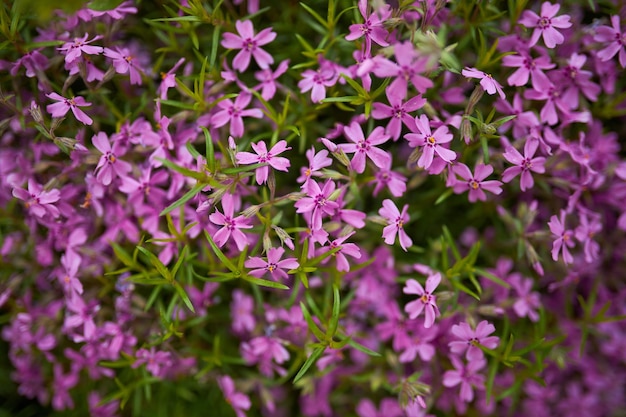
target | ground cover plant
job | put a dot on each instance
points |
(316, 208)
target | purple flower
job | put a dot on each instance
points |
(528, 301)
(250, 45)
(273, 264)
(237, 400)
(431, 142)
(546, 24)
(109, 166)
(230, 225)
(74, 50)
(398, 111)
(523, 164)
(242, 312)
(474, 183)
(389, 407)
(61, 399)
(395, 224)
(545, 90)
(372, 28)
(344, 249)
(317, 161)
(38, 201)
(64, 105)
(317, 81)
(156, 362)
(125, 62)
(386, 177)
(317, 203)
(266, 352)
(615, 39)
(426, 301)
(564, 238)
(365, 147)
(487, 82)
(409, 67)
(527, 68)
(585, 233)
(268, 79)
(234, 113)
(264, 156)
(470, 339)
(467, 376)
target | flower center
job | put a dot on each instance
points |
(544, 22)
(474, 184)
(431, 140)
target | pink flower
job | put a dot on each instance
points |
(585, 232)
(564, 238)
(109, 166)
(431, 142)
(545, 24)
(365, 147)
(263, 156)
(386, 177)
(317, 202)
(157, 362)
(234, 113)
(395, 225)
(527, 67)
(467, 376)
(523, 164)
(398, 111)
(389, 407)
(426, 301)
(487, 82)
(273, 264)
(409, 67)
(615, 39)
(242, 312)
(317, 161)
(38, 201)
(74, 50)
(237, 400)
(268, 78)
(230, 225)
(344, 249)
(317, 81)
(250, 45)
(474, 183)
(125, 62)
(372, 28)
(64, 105)
(470, 339)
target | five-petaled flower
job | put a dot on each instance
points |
(396, 221)
(263, 156)
(426, 301)
(63, 105)
(273, 265)
(38, 201)
(615, 39)
(523, 164)
(234, 112)
(564, 238)
(546, 24)
(471, 340)
(365, 147)
(237, 400)
(474, 182)
(431, 142)
(109, 166)
(250, 45)
(230, 224)
(467, 376)
(487, 82)
(317, 202)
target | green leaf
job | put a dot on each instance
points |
(122, 255)
(334, 319)
(156, 262)
(181, 201)
(491, 277)
(183, 295)
(312, 326)
(314, 14)
(362, 348)
(218, 252)
(264, 282)
(345, 99)
(200, 176)
(310, 361)
(179, 262)
(210, 152)
(237, 170)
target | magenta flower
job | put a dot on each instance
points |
(398, 111)
(38, 201)
(317, 81)
(470, 339)
(349, 249)
(237, 400)
(523, 164)
(585, 233)
(365, 147)
(74, 50)
(168, 79)
(273, 264)
(109, 166)
(157, 362)
(395, 225)
(125, 62)
(234, 113)
(474, 182)
(386, 177)
(317, 203)
(545, 90)
(564, 238)
(431, 142)
(467, 376)
(268, 78)
(546, 24)
(242, 312)
(230, 225)
(528, 301)
(409, 67)
(487, 82)
(372, 28)
(426, 301)
(317, 161)
(250, 45)
(615, 39)
(527, 67)
(264, 156)
(64, 105)
(389, 407)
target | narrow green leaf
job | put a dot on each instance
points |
(181, 259)
(334, 319)
(218, 252)
(200, 176)
(307, 364)
(362, 348)
(181, 201)
(451, 243)
(183, 295)
(156, 262)
(314, 14)
(491, 277)
(245, 168)
(312, 326)
(210, 151)
(265, 282)
(345, 99)
(122, 255)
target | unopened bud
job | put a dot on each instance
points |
(35, 111)
(251, 211)
(488, 129)
(477, 94)
(284, 237)
(267, 241)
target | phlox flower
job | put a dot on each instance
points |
(264, 156)
(394, 181)
(156, 362)
(317, 81)
(470, 339)
(317, 161)
(273, 264)
(237, 400)
(372, 28)
(267, 79)
(317, 202)
(527, 301)
(487, 82)
(109, 166)
(395, 225)
(615, 39)
(564, 238)
(474, 182)
(585, 232)
(363, 147)
(426, 301)
(61, 399)
(398, 111)
(250, 45)
(389, 407)
(168, 79)
(465, 375)
(74, 50)
(33, 62)
(349, 249)
(234, 112)
(231, 225)
(553, 95)
(523, 164)
(38, 201)
(527, 67)
(267, 352)
(409, 67)
(63, 105)
(125, 62)
(545, 25)
(242, 312)
(431, 142)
